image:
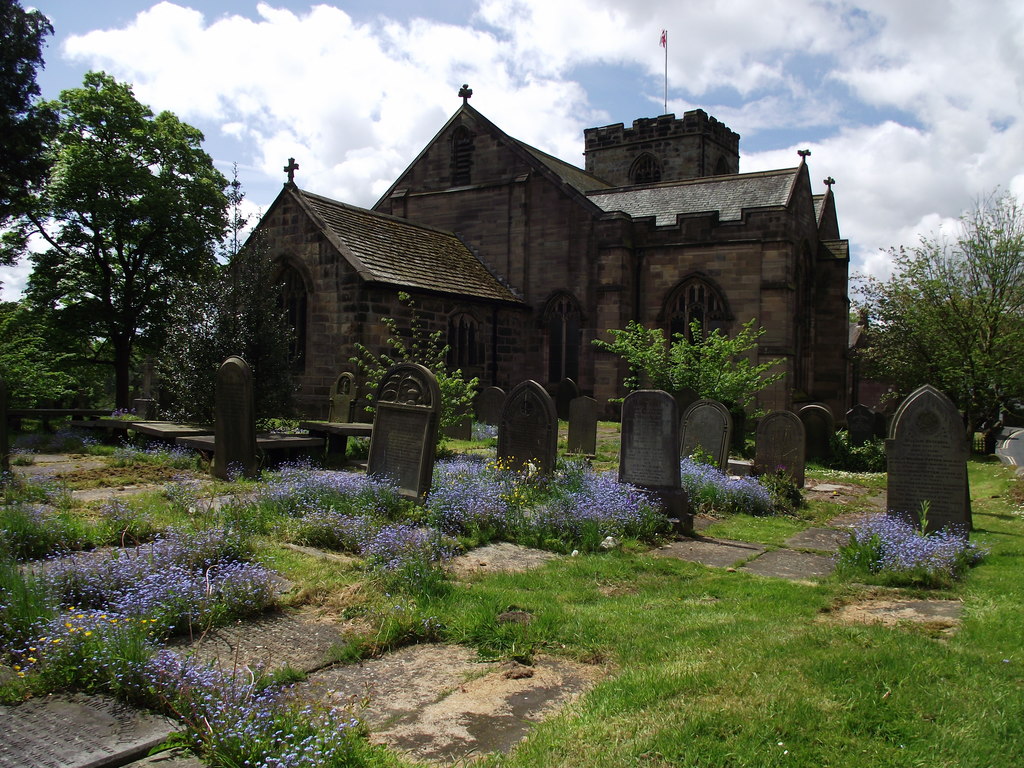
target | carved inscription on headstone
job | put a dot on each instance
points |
(528, 428)
(649, 447)
(860, 424)
(405, 429)
(819, 424)
(927, 462)
(583, 426)
(343, 398)
(77, 731)
(780, 446)
(707, 426)
(234, 420)
(488, 404)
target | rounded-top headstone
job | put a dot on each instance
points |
(528, 428)
(234, 447)
(780, 443)
(707, 425)
(819, 424)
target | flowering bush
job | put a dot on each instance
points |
(900, 553)
(31, 530)
(711, 491)
(472, 498)
(296, 489)
(409, 555)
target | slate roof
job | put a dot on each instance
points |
(840, 249)
(570, 174)
(387, 249)
(728, 195)
(819, 207)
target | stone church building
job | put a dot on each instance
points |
(523, 259)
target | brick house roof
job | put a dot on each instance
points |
(728, 196)
(387, 249)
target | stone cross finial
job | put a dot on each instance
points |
(290, 169)
(465, 92)
(829, 182)
(804, 153)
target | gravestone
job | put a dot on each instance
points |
(343, 398)
(707, 425)
(234, 446)
(488, 403)
(566, 392)
(528, 428)
(927, 462)
(77, 731)
(405, 429)
(583, 426)
(146, 407)
(460, 430)
(860, 424)
(779, 447)
(649, 451)
(5, 444)
(819, 424)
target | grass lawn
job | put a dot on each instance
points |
(706, 667)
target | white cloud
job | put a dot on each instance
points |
(916, 107)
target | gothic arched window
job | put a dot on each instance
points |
(562, 318)
(645, 170)
(462, 156)
(294, 300)
(696, 299)
(465, 346)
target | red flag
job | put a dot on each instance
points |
(664, 38)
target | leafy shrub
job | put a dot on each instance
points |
(847, 457)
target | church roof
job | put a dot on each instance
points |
(839, 249)
(570, 174)
(387, 249)
(728, 196)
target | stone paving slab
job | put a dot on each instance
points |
(77, 731)
(848, 519)
(500, 557)
(172, 758)
(270, 641)
(944, 613)
(787, 564)
(718, 553)
(441, 704)
(53, 465)
(820, 539)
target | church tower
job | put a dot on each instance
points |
(662, 149)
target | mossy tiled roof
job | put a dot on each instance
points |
(728, 196)
(388, 249)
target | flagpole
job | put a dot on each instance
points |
(664, 44)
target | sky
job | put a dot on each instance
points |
(914, 107)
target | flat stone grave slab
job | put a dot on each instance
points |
(718, 553)
(322, 554)
(53, 464)
(944, 614)
(269, 642)
(500, 557)
(439, 703)
(77, 731)
(820, 539)
(116, 492)
(849, 519)
(787, 564)
(171, 758)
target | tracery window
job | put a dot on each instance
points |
(646, 169)
(294, 301)
(465, 347)
(696, 299)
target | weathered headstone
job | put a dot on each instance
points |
(819, 424)
(566, 392)
(780, 443)
(707, 425)
(405, 429)
(583, 426)
(860, 424)
(146, 407)
(528, 428)
(343, 398)
(488, 403)
(234, 447)
(927, 462)
(649, 450)
(77, 731)
(460, 430)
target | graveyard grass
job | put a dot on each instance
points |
(702, 666)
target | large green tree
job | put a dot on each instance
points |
(23, 121)
(952, 313)
(131, 211)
